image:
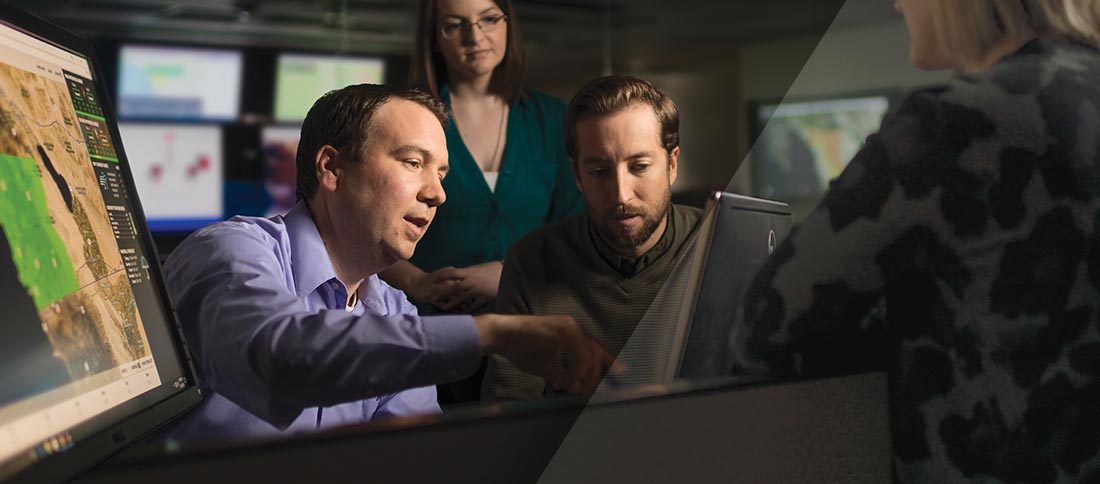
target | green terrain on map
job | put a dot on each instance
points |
(40, 255)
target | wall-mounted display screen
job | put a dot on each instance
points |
(280, 148)
(300, 79)
(178, 173)
(804, 145)
(176, 83)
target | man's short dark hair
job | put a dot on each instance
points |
(611, 94)
(341, 119)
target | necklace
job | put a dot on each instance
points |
(500, 134)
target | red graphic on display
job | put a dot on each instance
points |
(199, 166)
(156, 170)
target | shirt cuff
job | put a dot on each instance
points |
(453, 346)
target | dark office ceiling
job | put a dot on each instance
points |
(386, 26)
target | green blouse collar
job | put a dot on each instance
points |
(463, 163)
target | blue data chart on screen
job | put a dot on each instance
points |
(174, 83)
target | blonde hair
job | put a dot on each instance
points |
(968, 29)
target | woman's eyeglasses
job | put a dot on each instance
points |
(454, 28)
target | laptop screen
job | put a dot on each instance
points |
(735, 239)
(684, 334)
(88, 340)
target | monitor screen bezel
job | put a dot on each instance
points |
(119, 427)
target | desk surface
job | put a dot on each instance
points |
(830, 430)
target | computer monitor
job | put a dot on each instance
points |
(170, 83)
(178, 173)
(802, 145)
(735, 237)
(91, 357)
(280, 148)
(302, 78)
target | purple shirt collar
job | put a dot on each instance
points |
(311, 265)
(310, 262)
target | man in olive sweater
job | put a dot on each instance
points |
(604, 266)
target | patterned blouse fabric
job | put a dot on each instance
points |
(973, 214)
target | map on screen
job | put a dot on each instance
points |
(804, 145)
(91, 356)
(74, 276)
(60, 235)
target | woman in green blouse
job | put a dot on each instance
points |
(509, 169)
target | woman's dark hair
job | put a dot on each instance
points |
(428, 71)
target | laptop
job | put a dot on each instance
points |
(736, 236)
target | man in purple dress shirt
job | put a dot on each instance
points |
(289, 325)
